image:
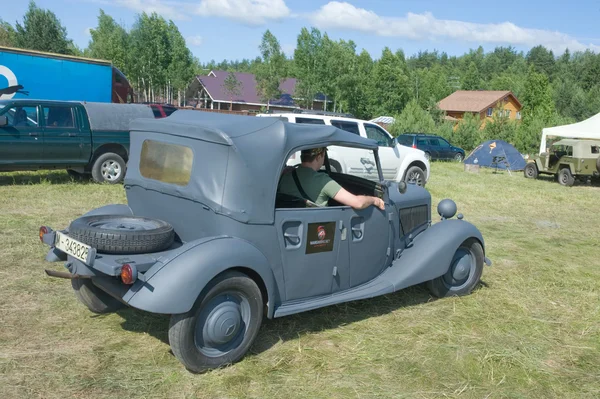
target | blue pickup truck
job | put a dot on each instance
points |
(83, 138)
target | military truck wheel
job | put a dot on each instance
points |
(531, 171)
(221, 326)
(118, 234)
(565, 177)
(93, 297)
(463, 274)
(109, 167)
(415, 175)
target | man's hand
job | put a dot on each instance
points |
(378, 202)
(358, 201)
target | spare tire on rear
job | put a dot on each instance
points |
(117, 234)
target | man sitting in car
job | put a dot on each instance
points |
(306, 182)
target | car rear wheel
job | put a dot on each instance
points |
(109, 168)
(531, 171)
(117, 234)
(565, 177)
(458, 157)
(221, 326)
(464, 272)
(415, 175)
(93, 297)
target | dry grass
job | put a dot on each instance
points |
(531, 331)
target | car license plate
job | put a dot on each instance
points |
(72, 247)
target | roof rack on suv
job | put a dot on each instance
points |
(325, 113)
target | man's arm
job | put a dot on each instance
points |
(358, 201)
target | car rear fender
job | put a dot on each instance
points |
(412, 157)
(430, 253)
(178, 282)
(567, 165)
(114, 209)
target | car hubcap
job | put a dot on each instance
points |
(458, 157)
(415, 178)
(530, 171)
(461, 269)
(221, 324)
(111, 170)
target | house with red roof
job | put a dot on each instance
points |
(209, 92)
(482, 103)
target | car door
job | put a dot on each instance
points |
(445, 149)
(356, 160)
(434, 148)
(22, 139)
(389, 156)
(369, 239)
(64, 140)
(310, 240)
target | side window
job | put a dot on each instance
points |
(377, 134)
(443, 143)
(59, 116)
(22, 117)
(156, 112)
(434, 142)
(422, 142)
(310, 121)
(405, 140)
(351, 127)
(569, 151)
(595, 149)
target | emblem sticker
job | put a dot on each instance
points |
(320, 237)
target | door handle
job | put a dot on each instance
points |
(33, 134)
(72, 134)
(293, 238)
(357, 232)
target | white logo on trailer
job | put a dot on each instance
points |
(12, 81)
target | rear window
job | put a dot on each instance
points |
(310, 121)
(405, 140)
(351, 127)
(168, 163)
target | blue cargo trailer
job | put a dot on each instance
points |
(48, 76)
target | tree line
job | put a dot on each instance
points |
(554, 89)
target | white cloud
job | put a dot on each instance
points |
(342, 15)
(169, 9)
(194, 41)
(253, 12)
(87, 32)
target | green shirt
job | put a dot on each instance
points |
(319, 186)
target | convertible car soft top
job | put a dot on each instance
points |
(244, 154)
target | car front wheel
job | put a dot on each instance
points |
(463, 274)
(221, 326)
(415, 175)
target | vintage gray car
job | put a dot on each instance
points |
(206, 238)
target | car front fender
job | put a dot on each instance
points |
(430, 253)
(177, 284)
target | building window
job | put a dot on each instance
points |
(518, 114)
(507, 113)
(490, 111)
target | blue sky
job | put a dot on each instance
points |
(232, 29)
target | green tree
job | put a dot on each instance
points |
(356, 89)
(272, 70)
(537, 94)
(389, 88)
(472, 79)
(413, 118)
(542, 60)
(308, 63)
(468, 132)
(109, 41)
(500, 127)
(233, 87)
(41, 30)
(181, 66)
(7, 34)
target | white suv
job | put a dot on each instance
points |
(398, 162)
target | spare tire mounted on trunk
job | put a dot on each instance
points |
(117, 234)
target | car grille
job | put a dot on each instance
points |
(411, 218)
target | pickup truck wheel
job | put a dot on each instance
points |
(117, 234)
(93, 297)
(109, 167)
(415, 175)
(531, 170)
(221, 326)
(565, 177)
(463, 274)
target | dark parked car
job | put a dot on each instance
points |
(207, 239)
(435, 147)
(85, 138)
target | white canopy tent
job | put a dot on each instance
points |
(587, 129)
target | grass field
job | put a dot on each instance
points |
(532, 330)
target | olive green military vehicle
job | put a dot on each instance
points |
(569, 160)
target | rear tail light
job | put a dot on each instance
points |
(43, 230)
(128, 273)
(414, 146)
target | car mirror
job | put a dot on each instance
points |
(3, 121)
